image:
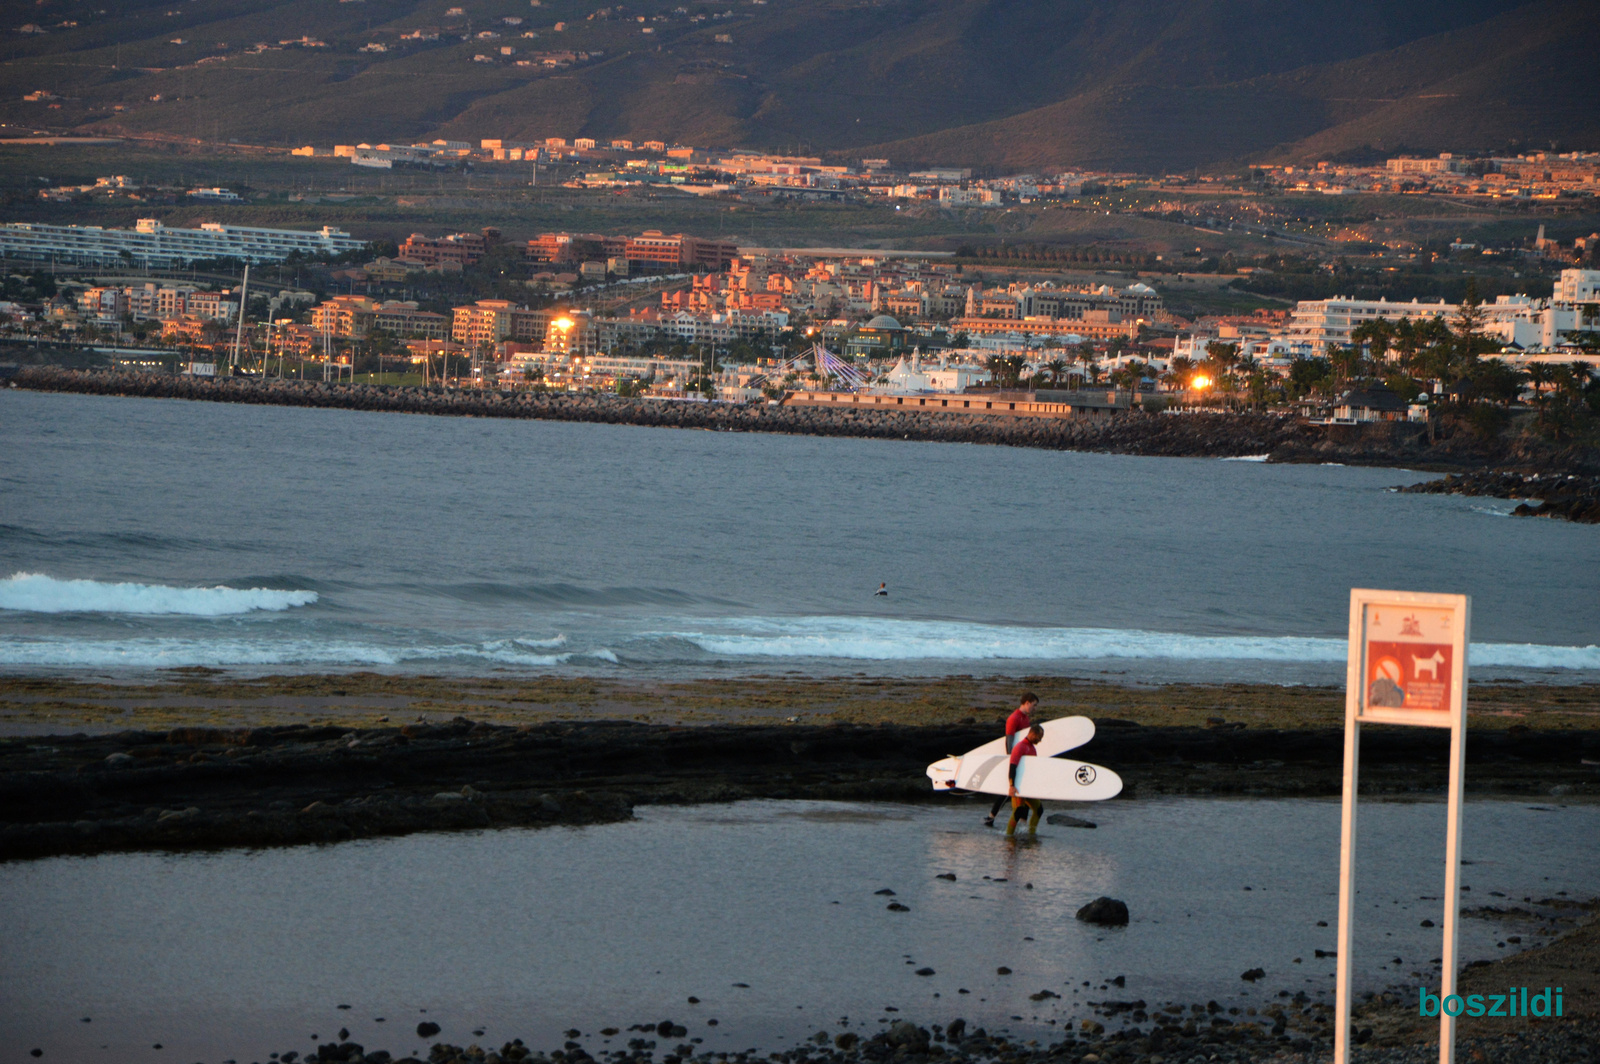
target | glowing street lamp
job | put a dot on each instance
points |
(1200, 383)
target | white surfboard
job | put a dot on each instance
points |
(984, 768)
(1060, 735)
(1054, 779)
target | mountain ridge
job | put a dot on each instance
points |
(1147, 85)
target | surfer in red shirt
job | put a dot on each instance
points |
(1024, 748)
(1016, 724)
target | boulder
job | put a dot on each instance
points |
(1107, 912)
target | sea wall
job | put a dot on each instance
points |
(1206, 435)
(1220, 435)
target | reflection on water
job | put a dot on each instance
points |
(525, 933)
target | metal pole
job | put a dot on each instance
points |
(1452, 848)
(238, 339)
(1347, 837)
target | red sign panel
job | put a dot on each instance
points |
(1410, 658)
(1408, 675)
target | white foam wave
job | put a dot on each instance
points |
(859, 638)
(244, 653)
(1248, 458)
(37, 593)
(554, 643)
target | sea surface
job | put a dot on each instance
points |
(770, 913)
(140, 534)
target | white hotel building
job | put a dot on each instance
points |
(152, 244)
(1520, 321)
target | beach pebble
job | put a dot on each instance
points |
(925, 971)
(1253, 974)
(846, 1041)
(896, 907)
(427, 1029)
(885, 891)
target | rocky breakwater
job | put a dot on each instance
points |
(204, 788)
(1209, 435)
(1571, 496)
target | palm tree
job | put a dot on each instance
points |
(1539, 375)
(1057, 367)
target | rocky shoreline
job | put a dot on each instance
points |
(1196, 1035)
(1570, 496)
(1286, 1029)
(196, 788)
(1282, 439)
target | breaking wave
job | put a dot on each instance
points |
(870, 639)
(37, 593)
(163, 653)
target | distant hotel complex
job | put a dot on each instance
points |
(151, 244)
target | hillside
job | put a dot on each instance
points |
(1146, 84)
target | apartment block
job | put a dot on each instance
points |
(150, 243)
(463, 248)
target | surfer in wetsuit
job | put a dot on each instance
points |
(1024, 748)
(1020, 721)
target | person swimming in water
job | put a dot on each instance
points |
(883, 589)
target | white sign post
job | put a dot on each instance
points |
(1408, 665)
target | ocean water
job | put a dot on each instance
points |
(765, 911)
(144, 534)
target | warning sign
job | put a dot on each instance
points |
(1410, 657)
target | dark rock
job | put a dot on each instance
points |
(951, 876)
(427, 1029)
(925, 971)
(885, 891)
(1107, 912)
(909, 1035)
(1002, 970)
(1427, 923)
(1253, 974)
(896, 907)
(846, 1041)
(1062, 820)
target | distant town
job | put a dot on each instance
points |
(678, 315)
